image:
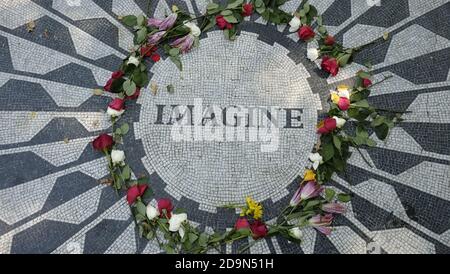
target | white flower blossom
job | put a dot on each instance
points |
(152, 212)
(176, 220)
(114, 113)
(117, 157)
(134, 61)
(296, 233)
(195, 30)
(316, 158)
(295, 24)
(313, 54)
(340, 122)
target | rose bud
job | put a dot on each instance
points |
(343, 103)
(366, 83)
(326, 126)
(221, 22)
(156, 57)
(306, 33)
(296, 233)
(103, 142)
(329, 40)
(259, 229)
(108, 85)
(242, 223)
(134, 192)
(116, 107)
(151, 212)
(247, 9)
(330, 65)
(165, 204)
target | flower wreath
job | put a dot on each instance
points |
(312, 204)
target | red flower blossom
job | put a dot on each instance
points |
(306, 33)
(259, 229)
(103, 142)
(330, 65)
(329, 40)
(344, 103)
(242, 223)
(247, 9)
(117, 104)
(222, 23)
(167, 205)
(117, 74)
(366, 83)
(156, 57)
(147, 51)
(326, 126)
(134, 192)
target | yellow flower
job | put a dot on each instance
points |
(335, 97)
(309, 176)
(254, 208)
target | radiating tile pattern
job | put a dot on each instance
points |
(50, 197)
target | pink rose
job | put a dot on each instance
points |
(242, 223)
(344, 103)
(134, 192)
(327, 126)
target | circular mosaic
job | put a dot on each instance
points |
(248, 118)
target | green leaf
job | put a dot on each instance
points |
(231, 19)
(259, 3)
(344, 198)
(140, 78)
(203, 240)
(192, 237)
(361, 104)
(126, 172)
(130, 20)
(141, 208)
(337, 142)
(235, 4)
(382, 131)
(140, 20)
(125, 128)
(226, 12)
(141, 35)
(177, 61)
(311, 204)
(329, 194)
(212, 6)
(364, 74)
(174, 52)
(378, 121)
(343, 61)
(150, 235)
(148, 194)
(129, 87)
(327, 151)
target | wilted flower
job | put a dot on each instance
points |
(306, 191)
(334, 208)
(322, 223)
(154, 38)
(163, 24)
(184, 43)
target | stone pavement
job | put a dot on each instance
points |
(50, 198)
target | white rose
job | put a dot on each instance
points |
(313, 54)
(296, 233)
(344, 92)
(316, 158)
(152, 212)
(117, 157)
(339, 121)
(133, 60)
(295, 24)
(176, 220)
(195, 30)
(114, 113)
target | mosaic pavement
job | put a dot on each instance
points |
(50, 198)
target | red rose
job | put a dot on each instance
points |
(167, 205)
(306, 33)
(117, 104)
(330, 65)
(103, 142)
(156, 57)
(242, 223)
(343, 104)
(259, 229)
(327, 126)
(247, 9)
(222, 23)
(118, 74)
(108, 85)
(329, 40)
(136, 94)
(366, 83)
(147, 51)
(134, 192)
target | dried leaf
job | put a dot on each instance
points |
(317, 146)
(154, 88)
(170, 89)
(31, 26)
(386, 35)
(98, 92)
(95, 123)
(33, 115)
(106, 181)
(66, 140)
(46, 33)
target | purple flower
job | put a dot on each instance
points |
(307, 191)
(154, 38)
(163, 24)
(322, 223)
(184, 43)
(334, 208)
